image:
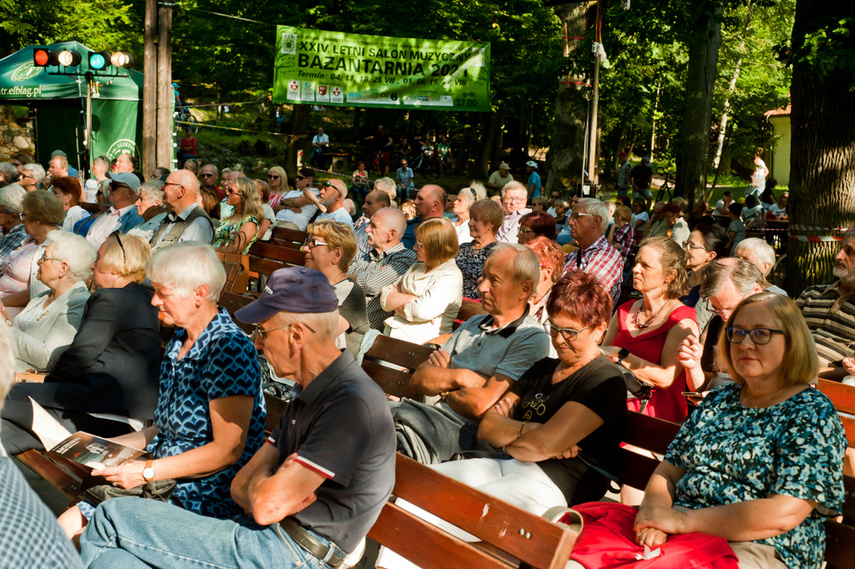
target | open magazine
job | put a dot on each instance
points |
(95, 452)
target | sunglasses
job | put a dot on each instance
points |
(301, 177)
(277, 177)
(207, 175)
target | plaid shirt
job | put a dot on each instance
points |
(374, 271)
(626, 237)
(601, 260)
(12, 240)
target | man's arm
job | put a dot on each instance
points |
(434, 376)
(475, 401)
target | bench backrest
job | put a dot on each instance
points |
(400, 353)
(648, 433)
(290, 235)
(843, 398)
(513, 532)
(285, 255)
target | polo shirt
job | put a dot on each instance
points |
(509, 350)
(830, 316)
(340, 426)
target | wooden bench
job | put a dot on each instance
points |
(509, 535)
(400, 353)
(292, 238)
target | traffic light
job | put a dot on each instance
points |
(122, 59)
(43, 57)
(69, 58)
(98, 60)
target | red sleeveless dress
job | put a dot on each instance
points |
(668, 404)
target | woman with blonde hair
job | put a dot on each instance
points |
(278, 180)
(426, 298)
(240, 229)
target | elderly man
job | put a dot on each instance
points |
(374, 202)
(295, 210)
(477, 364)
(32, 177)
(761, 255)
(58, 166)
(500, 177)
(656, 225)
(208, 178)
(430, 203)
(312, 494)
(387, 185)
(385, 262)
(726, 283)
(186, 220)
(514, 196)
(125, 163)
(320, 144)
(8, 172)
(11, 200)
(331, 203)
(829, 311)
(588, 224)
(122, 215)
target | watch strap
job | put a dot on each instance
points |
(622, 353)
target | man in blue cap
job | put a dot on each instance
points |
(313, 492)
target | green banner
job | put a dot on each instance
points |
(332, 68)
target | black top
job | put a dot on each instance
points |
(353, 310)
(600, 387)
(641, 175)
(113, 364)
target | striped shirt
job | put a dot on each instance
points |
(601, 260)
(830, 316)
(374, 271)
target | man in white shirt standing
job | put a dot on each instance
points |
(331, 204)
(295, 210)
(514, 196)
(320, 144)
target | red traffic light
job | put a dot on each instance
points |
(44, 57)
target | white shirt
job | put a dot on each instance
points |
(508, 231)
(339, 215)
(104, 225)
(301, 219)
(463, 235)
(320, 139)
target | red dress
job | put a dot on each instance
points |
(668, 404)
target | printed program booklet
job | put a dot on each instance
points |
(95, 452)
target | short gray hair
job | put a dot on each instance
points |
(385, 185)
(75, 251)
(762, 251)
(741, 273)
(37, 171)
(9, 171)
(514, 186)
(151, 190)
(12, 198)
(596, 207)
(526, 264)
(186, 266)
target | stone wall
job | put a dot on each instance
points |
(16, 136)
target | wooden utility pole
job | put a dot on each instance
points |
(157, 87)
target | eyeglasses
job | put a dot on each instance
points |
(759, 336)
(714, 310)
(207, 175)
(514, 200)
(523, 230)
(44, 258)
(569, 334)
(691, 246)
(259, 333)
(116, 234)
(420, 245)
(578, 215)
(311, 244)
(277, 177)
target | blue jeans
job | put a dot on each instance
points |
(132, 533)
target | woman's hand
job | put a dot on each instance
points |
(650, 537)
(610, 352)
(689, 352)
(505, 406)
(127, 475)
(660, 518)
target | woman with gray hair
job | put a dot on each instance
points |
(46, 327)
(150, 206)
(465, 199)
(11, 207)
(209, 419)
(32, 176)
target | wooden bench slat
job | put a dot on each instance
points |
(634, 469)
(399, 352)
(58, 477)
(392, 381)
(542, 543)
(293, 235)
(843, 396)
(281, 254)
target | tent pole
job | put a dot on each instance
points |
(87, 133)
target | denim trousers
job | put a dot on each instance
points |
(132, 533)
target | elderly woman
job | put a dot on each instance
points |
(240, 229)
(460, 209)
(644, 335)
(42, 214)
(577, 401)
(67, 191)
(32, 176)
(46, 327)
(151, 208)
(551, 258)
(536, 224)
(11, 220)
(278, 180)
(209, 419)
(426, 298)
(766, 507)
(110, 367)
(330, 249)
(485, 219)
(705, 243)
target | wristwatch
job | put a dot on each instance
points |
(148, 471)
(622, 353)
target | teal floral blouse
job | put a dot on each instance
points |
(226, 232)
(733, 454)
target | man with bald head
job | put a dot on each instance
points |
(384, 263)
(374, 202)
(430, 203)
(331, 203)
(186, 220)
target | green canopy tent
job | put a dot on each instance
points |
(60, 104)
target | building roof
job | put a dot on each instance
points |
(779, 112)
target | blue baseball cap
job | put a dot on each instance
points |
(299, 290)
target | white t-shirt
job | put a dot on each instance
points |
(321, 139)
(339, 215)
(301, 219)
(271, 215)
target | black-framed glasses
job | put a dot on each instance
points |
(118, 237)
(206, 175)
(759, 336)
(569, 334)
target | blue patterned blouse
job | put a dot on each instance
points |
(734, 454)
(222, 363)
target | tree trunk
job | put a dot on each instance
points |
(653, 120)
(822, 175)
(490, 128)
(300, 126)
(700, 82)
(564, 161)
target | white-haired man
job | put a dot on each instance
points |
(761, 255)
(186, 220)
(474, 368)
(374, 202)
(595, 255)
(313, 492)
(514, 196)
